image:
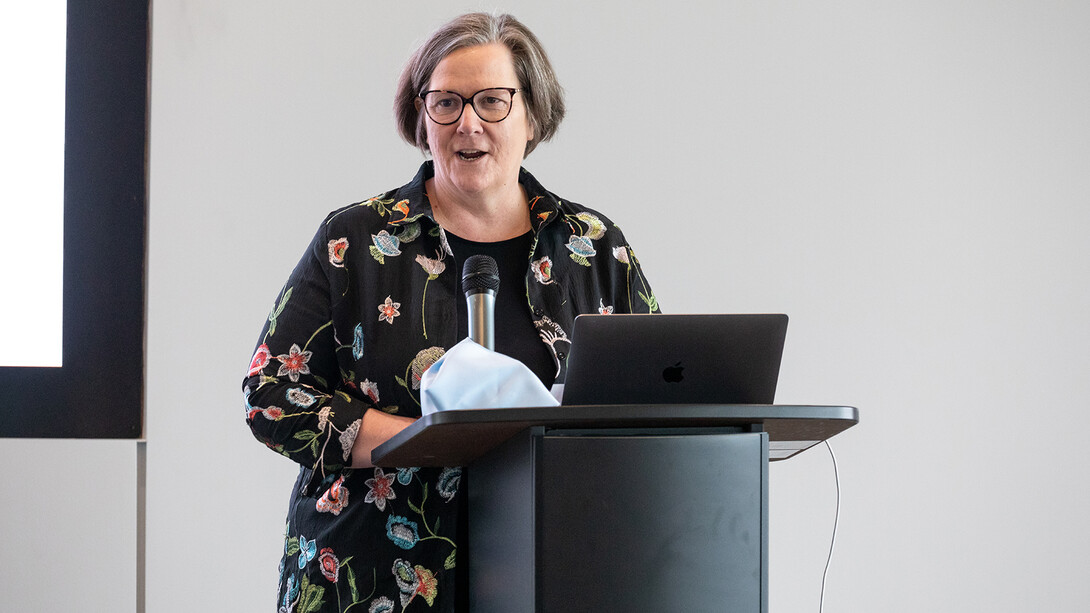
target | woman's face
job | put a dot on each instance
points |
(474, 158)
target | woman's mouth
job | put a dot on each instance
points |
(470, 155)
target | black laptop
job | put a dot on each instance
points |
(675, 359)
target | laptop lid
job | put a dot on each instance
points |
(675, 359)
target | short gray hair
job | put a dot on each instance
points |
(543, 96)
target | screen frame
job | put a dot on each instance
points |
(98, 392)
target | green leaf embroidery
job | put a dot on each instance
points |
(312, 596)
(651, 302)
(377, 254)
(580, 259)
(353, 590)
(410, 233)
(449, 563)
(278, 310)
(293, 546)
(305, 435)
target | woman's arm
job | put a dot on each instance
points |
(375, 429)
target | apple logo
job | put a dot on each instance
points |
(672, 374)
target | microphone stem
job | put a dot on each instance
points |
(481, 307)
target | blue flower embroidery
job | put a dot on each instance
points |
(357, 342)
(307, 551)
(402, 532)
(386, 243)
(581, 245)
(300, 397)
(291, 592)
(405, 475)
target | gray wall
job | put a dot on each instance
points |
(907, 180)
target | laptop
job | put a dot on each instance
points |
(674, 359)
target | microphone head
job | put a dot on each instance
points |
(480, 274)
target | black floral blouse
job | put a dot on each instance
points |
(370, 306)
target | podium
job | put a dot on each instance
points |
(616, 508)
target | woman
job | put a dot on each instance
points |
(376, 300)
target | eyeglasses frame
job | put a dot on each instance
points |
(468, 102)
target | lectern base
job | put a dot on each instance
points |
(642, 520)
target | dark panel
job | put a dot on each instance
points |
(98, 393)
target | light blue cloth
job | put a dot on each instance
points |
(472, 377)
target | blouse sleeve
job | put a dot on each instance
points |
(295, 402)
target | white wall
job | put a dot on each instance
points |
(907, 180)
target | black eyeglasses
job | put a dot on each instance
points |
(492, 105)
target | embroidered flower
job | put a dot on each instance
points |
(415, 581)
(348, 438)
(290, 594)
(357, 342)
(405, 576)
(603, 309)
(370, 389)
(300, 397)
(434, 268)
(595, 228)
(260, 360)
(337, 249)
(323, 418)
(405, 475)
(381, 489)
(386, 244)
(294, 363)
(448, 483)
(543, 270)
(272, 413)
(402, 532)
(307, 551)
(381, 604)
(581, 246)
(423, 361)
(329, 564)
(403, 208)
(621, 253)
(426, 585)
(334, 500)
(388, 310)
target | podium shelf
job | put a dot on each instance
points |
(457, 438)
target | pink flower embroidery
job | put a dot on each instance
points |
(329, 564)
(388, 310)
(294, 363)
(273, 413)
(335, 499)
(543, 270)
(381, 489)
(621, 253)
(603, 309)
(337, 249)
(260, 360)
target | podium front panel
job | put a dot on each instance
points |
(634, 522)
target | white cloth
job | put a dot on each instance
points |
(472, 377)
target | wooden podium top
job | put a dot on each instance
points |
(456, 438)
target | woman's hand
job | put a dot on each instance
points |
(377, 428)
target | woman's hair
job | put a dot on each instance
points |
(543, 96)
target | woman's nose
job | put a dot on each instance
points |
(470, 122)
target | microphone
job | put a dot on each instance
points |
(481, 282)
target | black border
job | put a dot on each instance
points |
(99, 391)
